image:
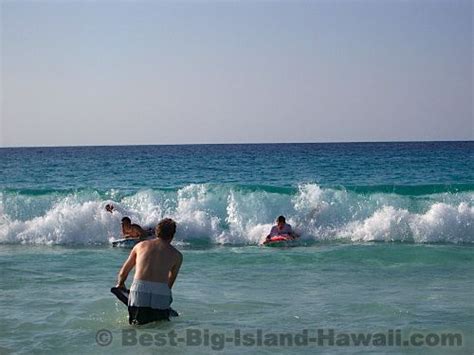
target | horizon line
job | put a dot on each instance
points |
(204, 144)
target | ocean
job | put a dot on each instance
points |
(386, 249)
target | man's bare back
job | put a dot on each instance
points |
(154, 260)
(135, 231)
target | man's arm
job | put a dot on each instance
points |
(175, 270)
(271, 232)
(292, 233)
(288, 230)
(126, 268)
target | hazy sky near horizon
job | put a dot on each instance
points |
(143, 72)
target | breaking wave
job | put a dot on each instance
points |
(232, 214)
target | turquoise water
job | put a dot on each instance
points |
(60, 296)
(387, 233)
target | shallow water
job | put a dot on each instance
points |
(60, 297)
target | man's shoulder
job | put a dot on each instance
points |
(143, 245)
(176, 251)
(178, 255)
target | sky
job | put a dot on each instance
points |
(191, 72)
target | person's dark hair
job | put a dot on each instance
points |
(281, 219)
(166, 229)
(126, 220)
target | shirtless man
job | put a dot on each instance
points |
(132, 230)
(157, 265)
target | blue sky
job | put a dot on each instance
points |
(103, 72)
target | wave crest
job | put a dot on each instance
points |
(223, 214)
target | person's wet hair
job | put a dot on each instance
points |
(166, 229)
(281, 219)
(126, 220)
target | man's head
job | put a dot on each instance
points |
(126, 221)
(166, 229)
(281, 222)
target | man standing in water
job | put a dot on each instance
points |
(157, 265)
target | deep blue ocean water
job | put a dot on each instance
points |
(387, 233)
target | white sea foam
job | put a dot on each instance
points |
(231, 215)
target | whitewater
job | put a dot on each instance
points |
(239, 215)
